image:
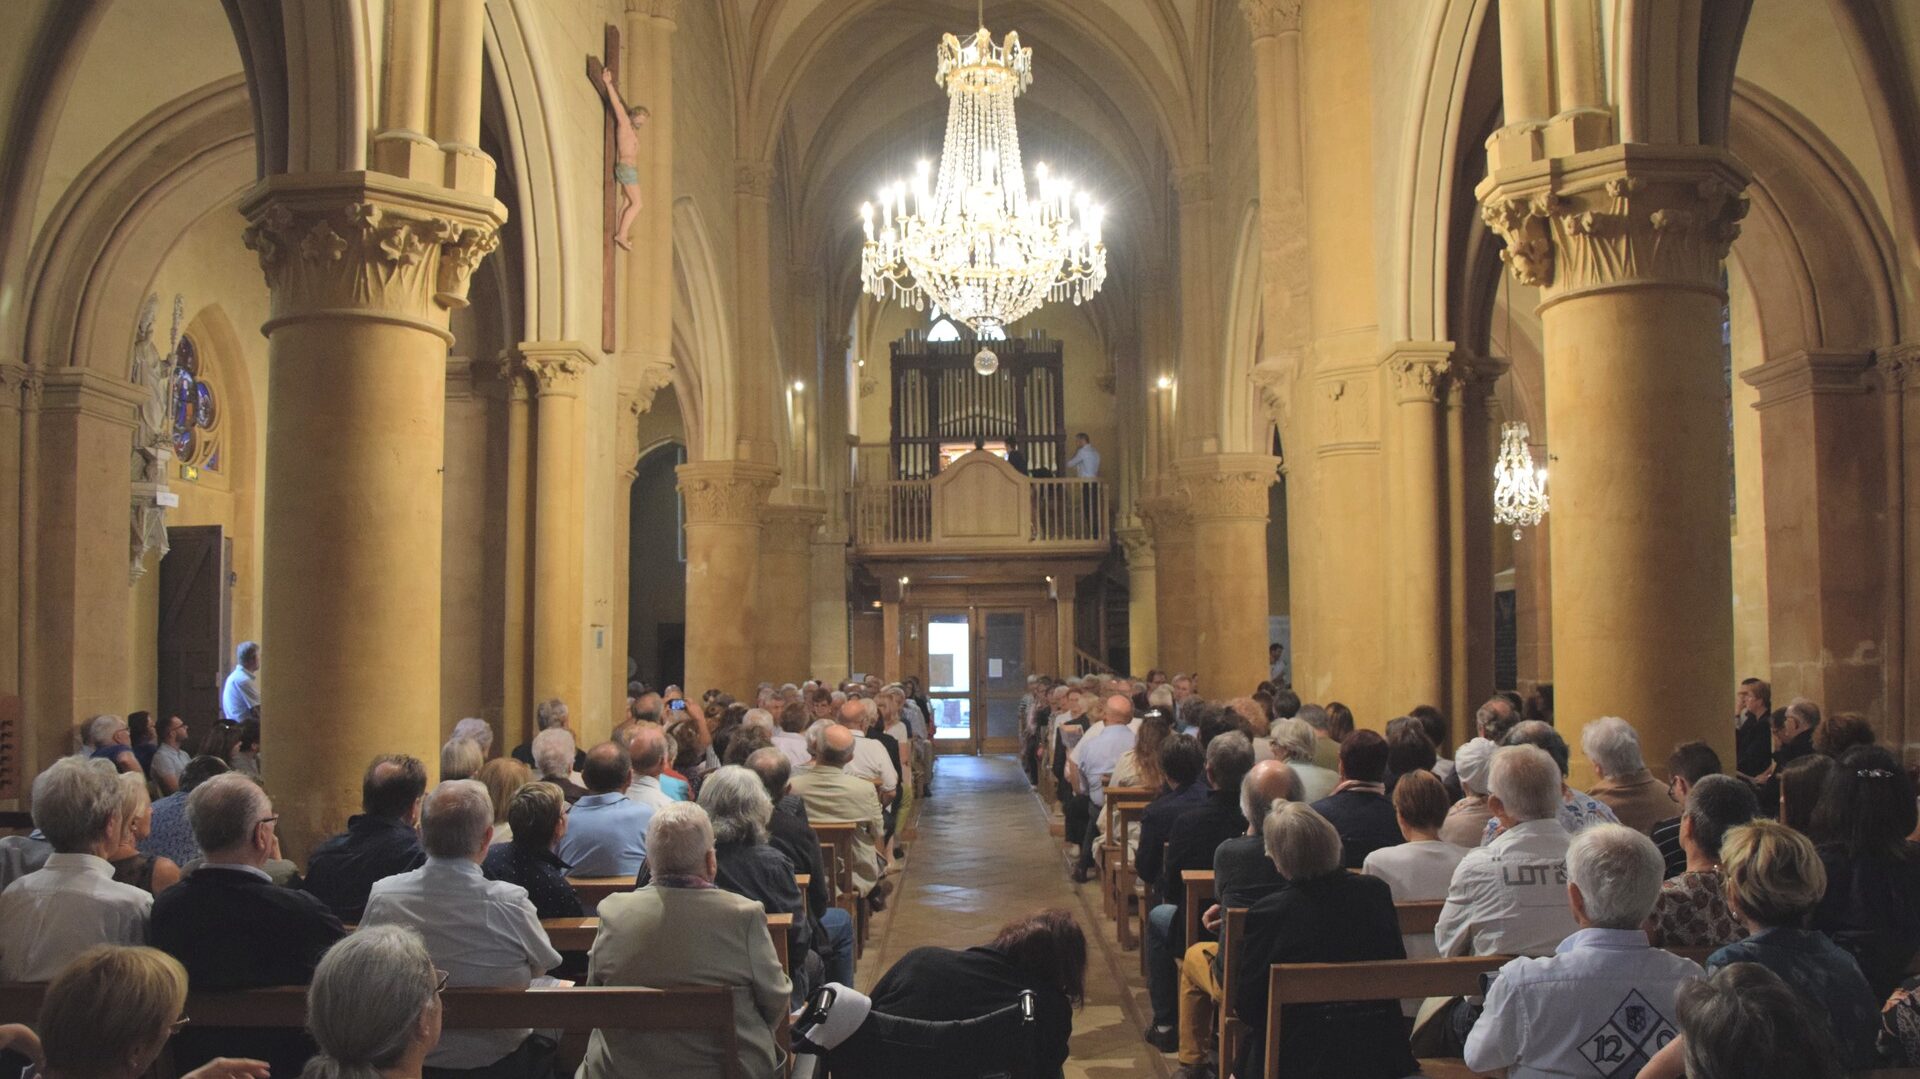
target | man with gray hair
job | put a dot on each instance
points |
(553, 751)
(1509, 897)
(72, 903)
(1326, 748)
(1495, 718)
(1603, 1003)
(681, 930)
(1295, 743)
(482, 933)
(549, 715)
(647, 749)
(1626, 785)
(231, 927)
(240, 694)
(871, 761)
(834, 797)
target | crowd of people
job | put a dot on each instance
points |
(708, 805)
(1795, 874)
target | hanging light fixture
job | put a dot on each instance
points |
(1519, 489)
(971, 239)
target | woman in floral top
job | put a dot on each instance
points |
(1692, 909)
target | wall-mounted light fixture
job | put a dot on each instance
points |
(799, 386)
(1165, 382)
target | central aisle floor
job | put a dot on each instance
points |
(983, 855)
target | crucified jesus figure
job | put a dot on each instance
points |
(626, 153)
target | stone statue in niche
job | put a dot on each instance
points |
(627, 121)
(153, 434)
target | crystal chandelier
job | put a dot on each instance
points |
(976, 245)
(1519, 489)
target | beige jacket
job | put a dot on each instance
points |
(835, 797)
(667, 937)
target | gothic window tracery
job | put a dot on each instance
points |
(196, 410)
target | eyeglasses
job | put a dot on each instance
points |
(178, 1025)
(441, 985)
(266, 820)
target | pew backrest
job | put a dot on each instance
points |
(1389, 979)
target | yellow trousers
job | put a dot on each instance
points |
(1199, 992)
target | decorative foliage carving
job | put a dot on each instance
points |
(1421, 379)
(1269, 17)
(1523, 225)
(556, 373)
(1346, 419)
(1166, 516)
(1897, 364)
(1227, 493)
(725, 492)
(753, 178)
(1137, 545)
(657, 375)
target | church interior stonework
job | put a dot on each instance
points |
(420, 361)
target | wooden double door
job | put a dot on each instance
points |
(975, 662)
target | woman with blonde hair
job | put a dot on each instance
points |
(150, 873)
(374, 1006)
(502, 776)
(460, 759)
(1140, 766)
(110, 1012)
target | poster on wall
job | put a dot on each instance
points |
(940, 668)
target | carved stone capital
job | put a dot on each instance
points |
(1620, 216)
(753, 178)
(1266, 18)
(1899, 366)
(869, 386)
(557, 368)
(1422, 372)
(1810, 373)
(1227, 486)
(13, 381)
(361, 244)
(790, 527)
(725, 492)
(1166, 516)
(1137, 545)
(1193, 185)
(840, 344)
(655, 375)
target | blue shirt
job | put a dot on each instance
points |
(1822, 972)
(1085, 463)
(606, 835)
(171, 836)
(677, 789)
(1098, 753)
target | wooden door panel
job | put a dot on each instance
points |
(193, 629)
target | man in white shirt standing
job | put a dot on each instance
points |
(1603, 1003)
(240, 697)
(72, 903)
(482, 932)
(1085, 462)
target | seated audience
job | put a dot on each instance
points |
(379, 842)
(149, 873)
(606, 833)
(553, 761)
(647, 751)
(482, 933)
(231, 927)
(146, 741)
(537, 813)
(680, 930)
(1242, 875)
(1183, 788)
(1541, 1015)
(49, 917)
(790, 833)
(1293, 741)
(1324, 915)
(1139, 767)
(1089, 767)
(872, 760)
(1626, 786)
(549, 715)
(170, 835)
(1841, 732)
(747, 863)
(1745, 1023)
(1420, 869)
(109, 1014)
(1045, 954)
(460, 759)
(502, 776)
(1872, 903)
(1801, 784)
(1358, 807)
(1508, 897)
(22, 854)
(1466, 823)
(112, 741)
(1497, 717)
(1408, 750)
(170, 757)
(374, 1007)
(1774, 883)
(1688, 764)
(791, 738)
(1692, 911)
(1441, 735)
(1752, 735)
(479, 732)
(1793, 728)
(834, 797)
(1578, 809)
(1196, 834)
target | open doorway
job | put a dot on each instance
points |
(976, 676)
(657, 576)
(196, 603)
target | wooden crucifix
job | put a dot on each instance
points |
(621, 200)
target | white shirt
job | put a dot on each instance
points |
(1510, 896)
(170, 761)
(481, 932)
(872, 761)
(794, 746)
(1085, 463)
(645, 790)
(916, 723)
(240, 694)
(1313, 781)
(1599, 1006)
(49, 917)
(1416, 872)
(1097, 754)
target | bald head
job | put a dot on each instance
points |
(853, 714)
(647, 749)
(836, 746)
(1119, 710)
(1269, 784)
(608, 769)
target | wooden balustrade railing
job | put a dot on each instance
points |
(981, 504)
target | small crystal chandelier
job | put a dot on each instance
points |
(975, 244)
(1519, 489)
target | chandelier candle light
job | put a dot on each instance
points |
(971, 240)
(1519, 489)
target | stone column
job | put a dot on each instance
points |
(784, 614)
(13, 378)
(1825, 489)
(1470, 460)
(827, 605)
(363, 270)
(1626, 243)
(557, 370)
(516, 700)
(724, 534)
(1143, 623)
(1418, 586)
(1170, 527)
(1227, 499)
(1065, 589)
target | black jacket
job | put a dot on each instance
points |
(1341, 917)
(541, 872)
(343, 869)
(1196, 835)
(944, 984)
(1800, 746)
(1365, 821)
(1156, 825)
(1752, 744)
(791, 835)
(233, 930)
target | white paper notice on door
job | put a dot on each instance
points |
(993, 668)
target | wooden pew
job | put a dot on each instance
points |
(1326, 983)
(840, 838)
(591, 890)
(1233, 929)
(578, 1010)
(1119, 879)
(1115, 854)
(15, 820)
(1199, 886)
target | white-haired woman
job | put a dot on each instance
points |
(149, 873)
(740, 809)
(374, 1006)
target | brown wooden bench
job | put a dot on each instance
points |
(591, 890)
(1115, 854)
(577, 1009)
(840, 837)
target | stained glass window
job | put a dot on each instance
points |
(196, 410)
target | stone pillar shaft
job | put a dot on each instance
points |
(1226, 495)
(363, 270)
(724, 533)
(516, 702)
(785, 615)
(1419, 372)
(1171, 529)
(1143, 623)
(12, 384)
(557, 370)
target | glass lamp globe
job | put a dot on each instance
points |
(985, 362)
